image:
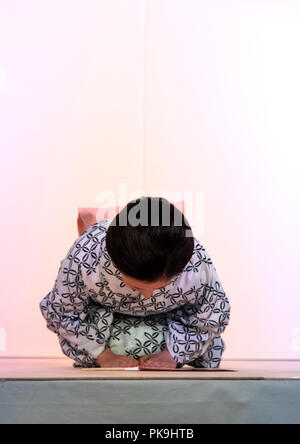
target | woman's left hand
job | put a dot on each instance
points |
(160, 360)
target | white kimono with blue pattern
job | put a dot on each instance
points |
(90, 308)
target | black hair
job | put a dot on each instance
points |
(155, 248)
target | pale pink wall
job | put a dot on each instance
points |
(162, 95)
(71, 117)
(222, 95)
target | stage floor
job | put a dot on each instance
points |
(62, 369)
(51, 391)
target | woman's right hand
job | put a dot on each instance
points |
(109, 359)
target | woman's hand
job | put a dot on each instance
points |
(160, 360)
(110, 359)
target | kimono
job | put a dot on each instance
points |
(90, 308)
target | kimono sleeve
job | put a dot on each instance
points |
(196, 327)
(81, 324)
